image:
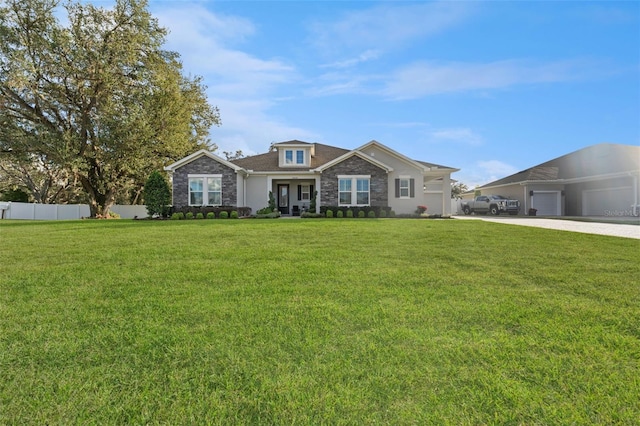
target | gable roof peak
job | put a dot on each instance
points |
(292, 142)
(198, 154)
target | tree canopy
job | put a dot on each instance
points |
(97, 103)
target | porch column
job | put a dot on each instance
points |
(446, 195)
(318, 199)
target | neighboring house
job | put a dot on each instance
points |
(372, 175)
(600, 180)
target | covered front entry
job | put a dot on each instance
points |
(293, 196)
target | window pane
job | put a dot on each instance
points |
(195, 191)
(215, 198)
(299, 157)
(363, 198)
(196, 199)
(195, 184)
(404, 187)
(363, 185)
(214, 184)
(288, 156)
(305, 192)
(345, 185)
(345, 198)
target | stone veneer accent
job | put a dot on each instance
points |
(354, 165)
(204, 166)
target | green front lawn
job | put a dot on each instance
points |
(316, 322)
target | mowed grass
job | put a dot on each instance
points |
(316, 322)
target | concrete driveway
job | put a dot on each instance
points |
(579, 225)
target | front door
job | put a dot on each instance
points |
(283, 199)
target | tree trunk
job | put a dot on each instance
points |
(99, 204)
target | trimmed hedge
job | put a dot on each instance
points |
(241, 211)
(379, 211)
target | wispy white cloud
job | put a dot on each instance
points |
(244, 87)
(247, 125)
(365, 56)
(386, 26)
(430, 78)
(341, 82)
(423, 79)
(457, 135)
(203, 39)
(489, 170)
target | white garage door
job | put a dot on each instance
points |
(547, 203)
(607, 202)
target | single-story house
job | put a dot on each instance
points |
(371, 175)
(599, 180)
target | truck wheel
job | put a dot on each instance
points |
(467, 210)
(494, 210)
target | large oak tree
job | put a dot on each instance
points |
(96, 98)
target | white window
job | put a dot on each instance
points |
(305, 192)
(404, 187)
(196, 194)
(344, 191)
(362, 192)
(353, 188)
(214, 191)
(299, 157)
(205, 190)
(288, 156)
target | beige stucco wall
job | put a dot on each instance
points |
(257, 193)
(436, 196)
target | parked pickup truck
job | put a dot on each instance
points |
(494, 204)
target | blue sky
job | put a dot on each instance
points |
(490, 88)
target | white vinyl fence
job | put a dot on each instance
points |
(32, 211)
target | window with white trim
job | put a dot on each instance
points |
(362, 192)
(296, 157)
(344, 191)
(404, 187)
(353, 190)
(196, 194)
(205, 190)
(305, 192)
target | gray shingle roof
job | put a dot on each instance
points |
(595, 160)
(269, 162)
(433, 165)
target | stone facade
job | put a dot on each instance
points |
(354, 165)
(204, 166)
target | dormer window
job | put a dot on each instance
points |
(294, 156)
